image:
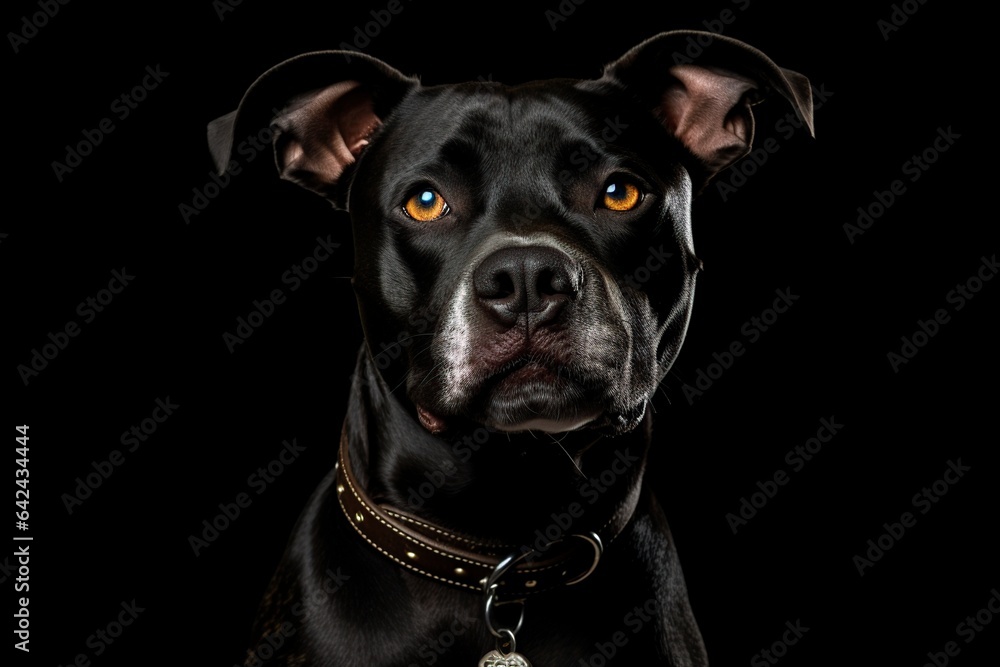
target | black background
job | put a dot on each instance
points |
(825, 358)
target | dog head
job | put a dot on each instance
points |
(526, 250)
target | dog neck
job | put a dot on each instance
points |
(510, 487)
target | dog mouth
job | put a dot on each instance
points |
(535, 337)
(526, 394)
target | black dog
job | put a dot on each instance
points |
(492, 474)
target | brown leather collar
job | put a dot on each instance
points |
(467, 562)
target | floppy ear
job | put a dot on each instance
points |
(706, 102)
(318, 111)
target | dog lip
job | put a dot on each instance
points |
(520, 394)
(528, 364)
(430, 421)
(532, 397)
(549, 425)
(524, 372)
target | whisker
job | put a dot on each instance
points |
(572, 460)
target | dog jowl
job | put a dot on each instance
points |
(510, 223)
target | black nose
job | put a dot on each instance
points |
(534, 281)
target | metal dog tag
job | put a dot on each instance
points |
(498, 659)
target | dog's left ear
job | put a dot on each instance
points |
(706, 102)
(318, 111)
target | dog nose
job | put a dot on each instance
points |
(536, 281)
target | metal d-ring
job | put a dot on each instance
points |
(489, 594)
(594, 540)
(511, 640)
(493, 581)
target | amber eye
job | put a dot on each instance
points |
(621, 195)
(426, 206)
